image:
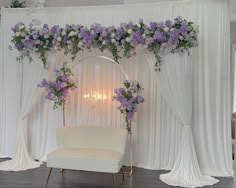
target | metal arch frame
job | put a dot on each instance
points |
(103, 57)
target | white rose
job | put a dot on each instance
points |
(113, 40)
(46, 36)
(113, 35)
(63, 33)
(17, 34)
(23, 34)
(166, 29)
(195, 28)
(21, 27)
(71, 34)
(59, 39)
(145, 46)
(80, 43)
(76, 33)
(127, 39)
(130, 31)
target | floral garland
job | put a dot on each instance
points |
(58, 90)
(160, 38)
(129, 97)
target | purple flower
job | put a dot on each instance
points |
(140, 20)
(139, 99)
(160, 36)
(153, 26)
(183, 29)
(168, 23)
(130, 115)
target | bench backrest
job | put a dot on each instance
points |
(92, 137)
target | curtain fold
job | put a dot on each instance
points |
(176, 80)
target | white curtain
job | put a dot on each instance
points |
(175, 79)
(29, 76)
(156, 130)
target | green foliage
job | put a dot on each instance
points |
(18, 4)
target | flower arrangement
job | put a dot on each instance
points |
(129, 97)
(160, 38)
(18, 4)
(58, 90)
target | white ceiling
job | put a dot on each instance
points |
(61, 3)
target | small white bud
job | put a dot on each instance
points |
(17, 34)
(166, 29)
(113, 35)
(127, 39)
(130, 31)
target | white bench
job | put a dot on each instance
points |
(89, 149)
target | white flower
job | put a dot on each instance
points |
(113, 40)
(127, 39)
(181, 38)
(63, 32)
(166, 29)
(195, 28)
(113, 35)
(17, 34)
(144, 35)
(172, 29)
(46, 36)
(104, 42)
(68, 42)
(76, 33)
(71, 34)
(145, 46)
(23, 34)
(139, 25)
(80, 44)
(21, 27)
(130, 31)
(59, 39)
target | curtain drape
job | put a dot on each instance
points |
(156, 130)
(28, 79)
(176, 82)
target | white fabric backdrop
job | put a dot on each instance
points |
(157, 131)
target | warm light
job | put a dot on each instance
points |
(95, 96)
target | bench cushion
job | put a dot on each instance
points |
(97, 160)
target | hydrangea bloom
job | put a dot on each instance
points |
(58, 90)
(129, 97)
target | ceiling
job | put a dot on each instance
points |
(61, 3)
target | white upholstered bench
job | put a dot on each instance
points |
(89, 149)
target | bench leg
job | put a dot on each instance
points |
(114, 180)
(49, 174)
(62, 171)
(123, 174)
